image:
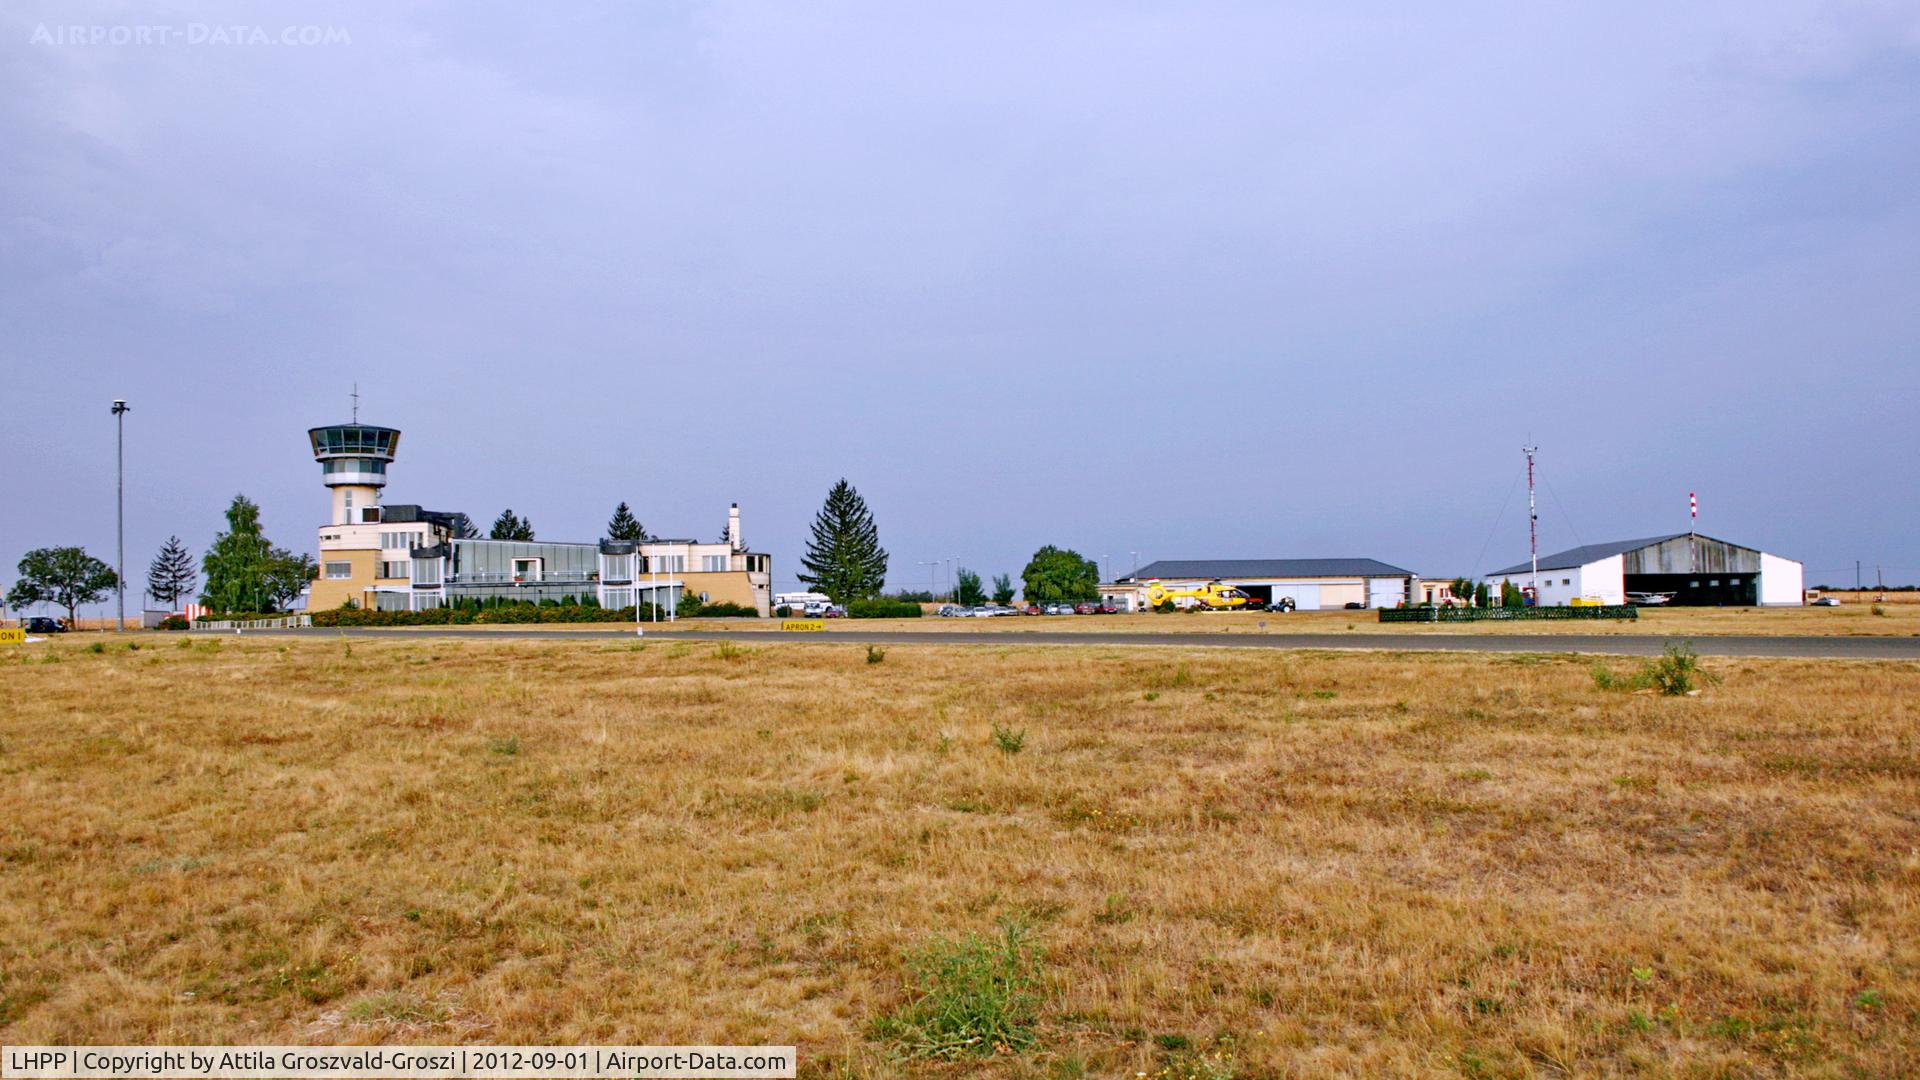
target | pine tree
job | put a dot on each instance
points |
(624, 526)
(171, 575)
(238, 563)
(511, 526)
(844, 558)
(463, 528)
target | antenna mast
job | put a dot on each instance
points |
(1533, 524)
(356, 402)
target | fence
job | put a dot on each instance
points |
(278, 622)
(1505, 614)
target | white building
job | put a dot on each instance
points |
(1693, 570)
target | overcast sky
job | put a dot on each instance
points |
(1189, 280)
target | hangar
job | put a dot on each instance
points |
(1687, 568)
(1312, 584)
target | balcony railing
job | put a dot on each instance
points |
(564, 577)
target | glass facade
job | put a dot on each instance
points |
(353, 465)
(350, 439)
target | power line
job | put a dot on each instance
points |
(1480, 559)
(1564, 516)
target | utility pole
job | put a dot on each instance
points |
(1533, 525)
(120, 409)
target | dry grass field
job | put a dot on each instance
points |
(1851, 620)
(1228, 864)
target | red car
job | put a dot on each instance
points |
(1086, 608)
(1106, 609)
(1033, 609)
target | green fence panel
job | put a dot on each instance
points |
(1505, 614)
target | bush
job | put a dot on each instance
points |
(973, 997)
(1674, 673)
(727, 609)
(172, 622)
(1676, 670)
(883, 609)
(784, 611)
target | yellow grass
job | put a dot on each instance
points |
(1299, 864)
(1895, 620)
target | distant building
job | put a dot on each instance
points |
(1312, 584)
(405, 558)
(1684, 569)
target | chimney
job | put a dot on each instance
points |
(733, 526)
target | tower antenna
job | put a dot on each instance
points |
(1533, 524)
(356, 402)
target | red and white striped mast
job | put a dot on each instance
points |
(1533, 525)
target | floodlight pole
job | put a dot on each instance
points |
(1533, 525)
(120, 410)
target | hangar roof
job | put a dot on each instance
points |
(1266, 568)
(1587, 553)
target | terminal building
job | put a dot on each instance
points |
(1682, 569)
(403, 557)
(1312, 584)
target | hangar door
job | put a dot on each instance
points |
(1306, 596)
(1697, 570)
(1386, 592)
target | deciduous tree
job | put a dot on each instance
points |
(66, 576)
(1055, 575)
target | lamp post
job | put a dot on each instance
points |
(120, 409)
(933, 573)
(953, 578)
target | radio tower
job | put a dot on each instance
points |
(1533, 525)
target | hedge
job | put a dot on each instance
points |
(463, 616)
(883, 609)
(1425, 613)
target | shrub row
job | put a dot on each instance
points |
(463, 616)
(883, 609)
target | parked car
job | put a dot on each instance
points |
(1355, 605)
(948, 611)
(1086, 607)
(41, 624)
(1284, 603)
(1106, 609)
(834, 611)
(1034, 609)
(1059, 609)
(1827, 601)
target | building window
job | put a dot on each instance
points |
(1566, 581)
(393, 569)
(426, 571)
(526, 569)
(398, 539)
(668, 564)
(713, 564)
(339, 571)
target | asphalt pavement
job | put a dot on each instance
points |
(1839, 648)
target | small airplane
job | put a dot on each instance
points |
(1649, 599)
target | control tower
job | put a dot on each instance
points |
(353, 464)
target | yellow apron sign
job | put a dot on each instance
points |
(804, 624)
(12, 637)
